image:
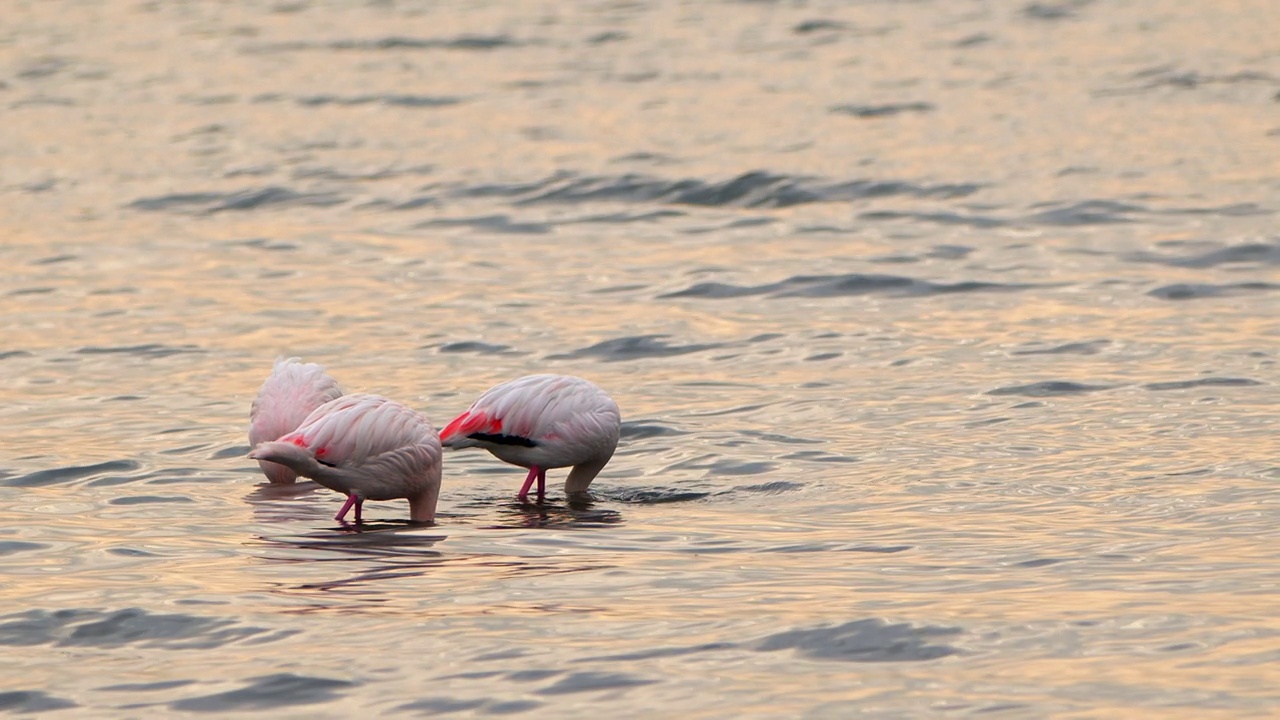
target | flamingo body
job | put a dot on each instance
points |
(366, 447)
(286, 398)
(542, 422)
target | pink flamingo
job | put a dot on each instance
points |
(287, 397)
(368, 448)
(542, 422)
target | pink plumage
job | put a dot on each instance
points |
(541, 422)
(293, 390)
(366, 447)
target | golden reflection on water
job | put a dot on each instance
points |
(1101, 549)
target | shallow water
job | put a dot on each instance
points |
(944, 336)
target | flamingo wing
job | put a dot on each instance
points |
(369, 431)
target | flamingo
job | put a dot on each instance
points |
(286, 398)
(542, 422)
(366, 447)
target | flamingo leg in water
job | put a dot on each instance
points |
(523, 495)
(359, 505)
(542, 484)
(351, 500)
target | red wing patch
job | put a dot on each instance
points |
(468, 423)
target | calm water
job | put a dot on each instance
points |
(944, 333)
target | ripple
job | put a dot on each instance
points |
(879, 111)
(31, 701)
(1049, 388)
(267, 693)
(409, 101)
(1199, 291)
(395, 42)
(475, 346)
(253, 199)
(1092, 347)
(1202, 382)
(841, 285)
(150, 350)
(9, 547)
(592, 681)
(636, 347)
(752, 189)
(96, 628)
(871, 640)
(57, 476)
(1259, 253)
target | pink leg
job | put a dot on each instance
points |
(351, 500)
(523, 495)
(542, 485)
(359, 505)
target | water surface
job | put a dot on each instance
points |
(944, 336)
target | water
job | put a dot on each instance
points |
(944, 335)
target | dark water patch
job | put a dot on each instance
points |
(638, 347)
(776, 487)
(627, 218)
(474, 346)
(607, 37)
(14, 353)
(1253, 253)
(973, 40)
(146, 687)
(593, 681)
(269, 692)
(209, 203)
(819, 357)
(1040, 562)
(753, 189)
(325, 173)
(819, 456)
(409, 101)
(9, 547)
(1167, 76)
(820, 25)
(654, 496)
(825, 286)
(532, 675)
(58, 476)
(938, 218)
(1202, 382)
(1092, 347)
(871, 640)
(440, 706)
(95, 628)
(149, 499)
(1050, 388)
(131, 552)
(236, 451)
(490, 223)
(780, 438)
(395, 42)
(55, 259)
(636, 430)
(32, 701)
(1200, 291)
(659, 653)
(149, 350)
(44, 67)
(1088, 212)
(881, 111)
(32, 291)
(511, 707)
(1054, 11)
(737, 467)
